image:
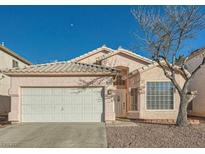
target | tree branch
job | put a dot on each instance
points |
(167, 74)
(184, 70)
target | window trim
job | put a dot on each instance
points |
(160, 110)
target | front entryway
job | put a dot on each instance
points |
(120, 102)
(62, 105)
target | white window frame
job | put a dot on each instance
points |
(160, 110)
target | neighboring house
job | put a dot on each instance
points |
(98, 86)
(8, 59)
(197, 107)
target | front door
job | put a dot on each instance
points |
(120, 102)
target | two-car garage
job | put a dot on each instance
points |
(62, 104)
(61, 92)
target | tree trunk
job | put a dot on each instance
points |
(182, 114)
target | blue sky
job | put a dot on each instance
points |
(47, 33)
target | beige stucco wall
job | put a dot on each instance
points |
(4, 84)
(18, 82)
(124, 60)
(139, 81)
(6, 63)
(6, 60)
(198, 83)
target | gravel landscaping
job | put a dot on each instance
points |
(156, 136)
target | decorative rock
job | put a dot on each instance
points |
(194, 122)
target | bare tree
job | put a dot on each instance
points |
(165, 32)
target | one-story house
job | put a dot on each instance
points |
(98, 86)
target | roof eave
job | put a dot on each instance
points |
(129, 54)
(93, 52)
(144, 69)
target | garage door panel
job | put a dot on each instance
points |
(62, 104)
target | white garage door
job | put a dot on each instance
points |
(62, 105)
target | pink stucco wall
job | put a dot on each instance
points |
(139, 81)
(124, 60)
(18, 82)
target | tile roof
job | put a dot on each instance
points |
(109, 50)
(12, 53)
(62, 68)
(110, 53)
(154, 65)
(144, 68)
(125, 51)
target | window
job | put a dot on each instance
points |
(134, 99)
(14, 63)
(160, 96)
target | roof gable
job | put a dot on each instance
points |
(131, 54)
(13, 54)
(103, 49)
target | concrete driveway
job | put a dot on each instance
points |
(54, 135)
